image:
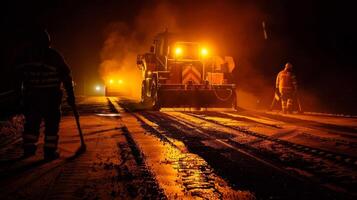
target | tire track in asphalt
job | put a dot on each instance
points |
(193, 174)
(218, 159)
(330, 173)
(339, 158)
(344, 131)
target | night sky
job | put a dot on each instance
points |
(318, 38)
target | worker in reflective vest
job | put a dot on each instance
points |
(42, 75)
(286, 86)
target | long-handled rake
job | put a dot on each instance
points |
(83, 146)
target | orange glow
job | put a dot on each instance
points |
(178, 51)
(120, 81)
(204, 52)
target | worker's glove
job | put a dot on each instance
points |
(71, 100)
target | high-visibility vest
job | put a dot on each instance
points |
(39, 75)
(286, 80)
(43, 70)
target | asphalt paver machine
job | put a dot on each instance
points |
(181, 73)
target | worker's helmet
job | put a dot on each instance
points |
(41, 38)
(288, 66)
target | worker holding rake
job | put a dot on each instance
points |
(42, 75)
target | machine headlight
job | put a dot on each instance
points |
(204, 52)
(178, 51)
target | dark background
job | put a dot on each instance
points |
(318, 38)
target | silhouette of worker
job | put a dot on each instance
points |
(42, 73)
(286, 86)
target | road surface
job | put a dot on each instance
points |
(185, 154)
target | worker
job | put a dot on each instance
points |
(42, 74)
(286, 87)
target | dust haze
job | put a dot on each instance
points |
(231, 28)
(125, 41)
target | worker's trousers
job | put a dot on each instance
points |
(287, 96)
(42, 106)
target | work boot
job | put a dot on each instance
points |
(51, 155)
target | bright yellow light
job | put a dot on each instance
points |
(120, 81)
(178, 51)
(111, 81)
(97, 88)
(204, 52)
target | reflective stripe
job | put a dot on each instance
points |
(283, 104)
(34, 81)
(7, 92)
(42, 83)
(191, 73)
(42, 79)
(29, 144)
(44, 86)
(37, 64)
(51, 80)
(285, 87)
(50, 145)
(51, 137)
(30, 137)
(290, 103)
(42, 73)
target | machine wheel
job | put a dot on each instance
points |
(154, 97)
(144, 98)
(234, 101)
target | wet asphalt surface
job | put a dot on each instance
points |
(202, 157)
